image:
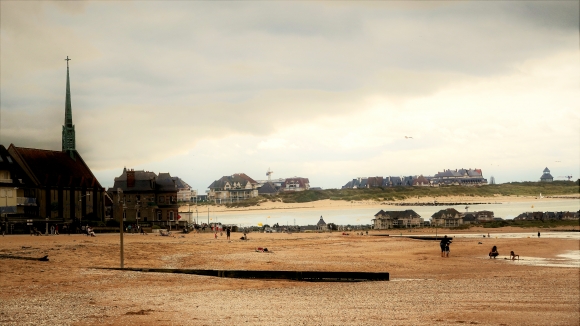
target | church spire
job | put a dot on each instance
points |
(68, 129)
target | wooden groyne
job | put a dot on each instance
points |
(427, 237)
(45, 258)
(437, 204)
(310, 276)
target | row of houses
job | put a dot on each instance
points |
(460, 177)
(451, 217)
(240, 186)
(543, 216)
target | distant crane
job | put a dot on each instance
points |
(269, 174)
(569, 177)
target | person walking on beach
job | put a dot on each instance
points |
(444, 244)
(538, 234)
(228, 233)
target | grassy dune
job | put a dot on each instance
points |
(398, 193)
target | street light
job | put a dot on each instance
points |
(80, 200)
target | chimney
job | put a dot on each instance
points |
(130, 178)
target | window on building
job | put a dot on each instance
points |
(138, 215)
(161, 199)
(171, 215)
(159, 215)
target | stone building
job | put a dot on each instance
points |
(144, 198)
(236, 187)
(449, 217)
(396, 219)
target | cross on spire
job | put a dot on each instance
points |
(68, 129)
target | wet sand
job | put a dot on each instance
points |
(425, 289)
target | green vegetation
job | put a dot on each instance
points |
(555, 188)
(521, 224)
(247, 203)
(397, 193)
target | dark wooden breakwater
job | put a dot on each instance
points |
(426, 237)
(45, 258)
(310, 276)
(435, 204)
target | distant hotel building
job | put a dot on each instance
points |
(461, 177)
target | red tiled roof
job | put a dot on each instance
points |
(55, 168)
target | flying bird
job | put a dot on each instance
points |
(408, 137)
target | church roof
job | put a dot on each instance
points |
(321, 222)
(546, 170)
(54, 168)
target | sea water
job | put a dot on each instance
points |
(364, 215)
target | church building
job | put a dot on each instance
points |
(59, 184)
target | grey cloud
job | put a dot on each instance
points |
(145, 74)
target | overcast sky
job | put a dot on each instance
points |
(324, 90)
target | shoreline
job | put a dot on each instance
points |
(343, 204)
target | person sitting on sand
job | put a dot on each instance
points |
(90, 232)
(493, 253)
(513, 256)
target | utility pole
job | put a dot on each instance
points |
(119, 192)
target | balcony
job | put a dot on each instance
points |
(26, 201)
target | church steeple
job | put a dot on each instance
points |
(68, 129)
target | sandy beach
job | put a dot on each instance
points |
(425, 289)
(343, 204)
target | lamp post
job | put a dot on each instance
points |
(121, 235)
(80, 200)
(6, 207)
(119, 192)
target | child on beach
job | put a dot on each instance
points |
(513, 256)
